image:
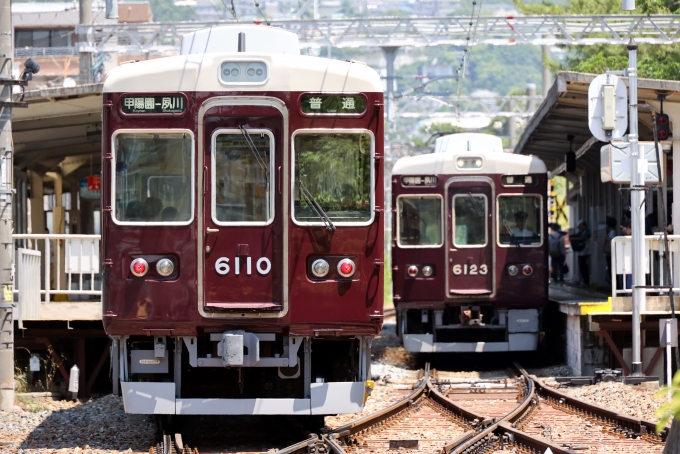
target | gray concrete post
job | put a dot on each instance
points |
(85, 58)
(6, 245)
(545, 73)
(390, 54)
(531, 93)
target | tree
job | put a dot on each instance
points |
(671, 409)
(654, 61)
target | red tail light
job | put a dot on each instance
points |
(527, 270)
(139, 267)
(412, 271)
(346, 268)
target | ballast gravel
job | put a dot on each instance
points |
(94, 427)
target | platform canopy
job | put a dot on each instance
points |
(59, 130)
(564, 112)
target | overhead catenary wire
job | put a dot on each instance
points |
(462, 69)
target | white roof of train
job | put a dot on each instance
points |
(200, 71)
(450, 148)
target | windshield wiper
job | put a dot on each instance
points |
(478, 209)
(253, 149)
(309, 198)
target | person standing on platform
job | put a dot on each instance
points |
(557, 252)
(580, 243)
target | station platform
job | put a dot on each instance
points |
(598, 329)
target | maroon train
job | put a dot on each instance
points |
(470, 247)
(243, 233)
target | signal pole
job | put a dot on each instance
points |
(637, 209)
(6, 244)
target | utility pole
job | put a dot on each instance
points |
(6, 244)
(85, 39)
(637, 209)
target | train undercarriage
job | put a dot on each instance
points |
(238, 372)
(469, 329)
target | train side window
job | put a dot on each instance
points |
(153, 177)
(519, 218)
(469, 222)
(336, 168)
(420, 221)
(242, 176)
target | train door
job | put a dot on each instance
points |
(242, 210)
(470, 237)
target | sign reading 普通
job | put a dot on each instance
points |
(153, 104)
(333, 104)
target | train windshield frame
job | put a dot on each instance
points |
(520, 220)
(337, 167)
(152, 183)
(409, 235)
(242, 177)
(470, 214)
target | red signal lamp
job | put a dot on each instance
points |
(346, 268)
(139, 267)
(527, 270)
(412, 271)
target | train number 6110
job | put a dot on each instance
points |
(470, 269)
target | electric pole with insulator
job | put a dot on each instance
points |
(6, 245)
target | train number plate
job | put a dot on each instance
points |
(470, 270)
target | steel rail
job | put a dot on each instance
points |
(301, 447)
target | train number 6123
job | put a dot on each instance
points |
(470, 269)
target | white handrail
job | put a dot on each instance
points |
(654, 264)
(55, 260)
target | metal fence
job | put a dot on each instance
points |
(655, 276)
(71, 266)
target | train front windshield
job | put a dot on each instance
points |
(520, 220)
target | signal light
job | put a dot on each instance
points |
(663, 127)
(165, 267)
(320, 268)
(139, 267)
(427, 271)
(346, 268)
(512, 270)
(412, 271)
(527, 270)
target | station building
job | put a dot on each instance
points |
(597, 317)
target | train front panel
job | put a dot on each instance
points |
(469, 250)
(242, 236)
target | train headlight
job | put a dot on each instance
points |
(346, 268)
(139, 267)
(427, 271)
(320, 268)
(527, 270)
(165, 267)
(513, 270)
(412, 271)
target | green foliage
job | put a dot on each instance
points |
(670, 409)
(654, 61)
(166, 11)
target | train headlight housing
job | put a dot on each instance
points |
(427, 271)
(346, 268)
(527, 270)
(469, 162)
(513, 270)
(412, 271)
(320, 268)
(139, 267)
(165, 267)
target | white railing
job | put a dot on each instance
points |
(71, 265)
(655, 276)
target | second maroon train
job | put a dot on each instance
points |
(470, 249)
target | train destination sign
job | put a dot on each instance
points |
(153, 104)
(426, 180)
(333, 104)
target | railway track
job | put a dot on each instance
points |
(446, 417)
(521, 414)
